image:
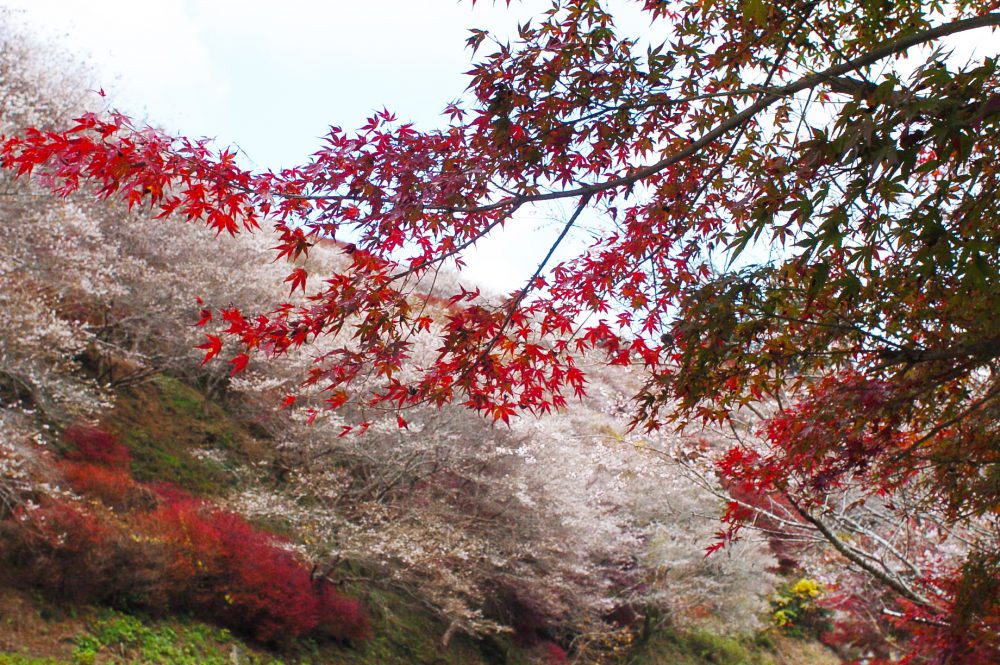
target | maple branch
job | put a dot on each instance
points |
(794, 529)
(855, 557)
(972, 408)
(833, 73)
(706, 183)
(982, 351)
(531, 282)
(920, 620)
(857, 527)
(515, 205)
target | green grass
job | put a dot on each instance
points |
(404, 635)
(15, 659)
(163, 423)
(699, 647)
(177, 642)
(180, 398)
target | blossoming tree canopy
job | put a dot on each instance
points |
(840, 135)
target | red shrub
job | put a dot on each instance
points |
(223, 567)
(182, 555)
(112, 486)
(554, 654)
(341, 617)
(61, 525)
(59, 548)
(268, 587)
(263, 587)
(859, 629)
(192, 553)
(94, 445)
(170, 493)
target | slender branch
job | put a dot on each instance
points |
(854, 557)
(990, 394)
(461, 246)
(512, 308)
(888, 49)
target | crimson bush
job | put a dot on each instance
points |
(225, 568)
(183, 555)
(114, 487)
(94, 445)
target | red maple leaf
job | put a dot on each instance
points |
(212, 347)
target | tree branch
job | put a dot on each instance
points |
(833, 73)
(854, 557)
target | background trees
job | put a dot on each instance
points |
(839, 137)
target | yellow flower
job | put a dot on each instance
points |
(807, 588)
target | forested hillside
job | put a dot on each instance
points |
(158, 504)
(135, 478)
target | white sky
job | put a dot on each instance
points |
(270, 76)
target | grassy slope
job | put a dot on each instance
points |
(36, 631)
(166, 423)
(697, 647)
(39, 632)
(168, 426)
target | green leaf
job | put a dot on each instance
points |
(819, 277)
(756, 11)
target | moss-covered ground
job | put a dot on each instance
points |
(177, 435)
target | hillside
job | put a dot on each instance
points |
(174, 435)
(40, 632)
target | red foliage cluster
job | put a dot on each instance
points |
(829, 440)
(96, 466)
(113, 487)
(554, 654)
(769, 512)
(856, 631)
(94, 445)
(966, 628)
(164, 550)
(60, 548)
(225, 568)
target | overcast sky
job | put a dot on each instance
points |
(271, 76)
